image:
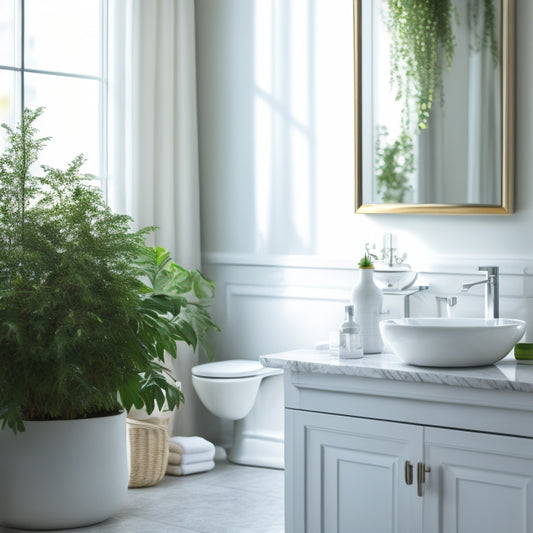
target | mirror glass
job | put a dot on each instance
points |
(434, 106)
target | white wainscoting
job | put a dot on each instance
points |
(266, 304)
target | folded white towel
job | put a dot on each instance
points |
(201, 457)
(189, 458)
(190, 445)
(193, 468)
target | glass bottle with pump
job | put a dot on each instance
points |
(350, 346)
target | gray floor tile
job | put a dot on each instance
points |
(229, 499)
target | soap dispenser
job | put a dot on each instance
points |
(350, 346)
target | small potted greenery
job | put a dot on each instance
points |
(87, 312)
(367, 261)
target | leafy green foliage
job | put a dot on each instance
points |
(394, 164)
(422, 42)
(367, 260)
(87, 310)
(421, 34)
(487, 38)
(173, 307)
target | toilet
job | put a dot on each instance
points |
(252, 395)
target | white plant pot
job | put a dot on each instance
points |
(63, 474)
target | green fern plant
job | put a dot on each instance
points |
(87, 310)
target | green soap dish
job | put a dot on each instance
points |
(523, 353)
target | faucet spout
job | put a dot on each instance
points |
(466, 286)
(492, 290)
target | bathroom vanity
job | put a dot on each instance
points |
(374, 445)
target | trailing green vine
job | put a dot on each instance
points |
(422, 39)
(421, 34)
(487, 38)
(422, 45)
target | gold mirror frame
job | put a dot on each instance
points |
(507, 171)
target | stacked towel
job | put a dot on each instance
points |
(189, 455)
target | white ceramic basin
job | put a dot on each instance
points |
(451, 342)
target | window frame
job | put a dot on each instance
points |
(102, 79)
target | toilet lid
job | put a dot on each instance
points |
(234, 368)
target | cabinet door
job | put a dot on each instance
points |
(478, 482)
(346, 474)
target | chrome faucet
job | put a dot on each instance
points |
(388, 250)
(492, 290)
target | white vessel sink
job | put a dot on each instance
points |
(451, 342)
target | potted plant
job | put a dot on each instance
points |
(87, 311)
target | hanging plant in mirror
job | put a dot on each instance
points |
(434, 106)
(422, 41)
(487, 38)
(421, 35)
(422, 46)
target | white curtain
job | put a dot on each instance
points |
(153, 156)
(464, 133)
(485, 111)
(152, 115)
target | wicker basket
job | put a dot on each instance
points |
(148, 443)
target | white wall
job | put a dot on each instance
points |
(279, 233)
(276, 137)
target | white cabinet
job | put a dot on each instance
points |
(478, 482)
(353, 474)
(350, 472)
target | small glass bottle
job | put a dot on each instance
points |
(350, 346)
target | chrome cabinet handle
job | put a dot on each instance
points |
(421, 471)
(408, 473)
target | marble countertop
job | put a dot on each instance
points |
(505, 375)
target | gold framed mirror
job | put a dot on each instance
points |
(434, 106)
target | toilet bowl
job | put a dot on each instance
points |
(252, 396)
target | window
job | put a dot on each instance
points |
(53, 54)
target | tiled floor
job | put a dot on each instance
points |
(228, 499)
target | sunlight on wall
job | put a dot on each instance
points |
(298, 170)
(334, 129)
(300, 58)
(263, 171)
(263, 119)
(283, 172)
(247, 184)
(300, 194)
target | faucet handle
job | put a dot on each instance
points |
(492, 294)
(490, 270)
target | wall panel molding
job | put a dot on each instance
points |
(463, 266)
